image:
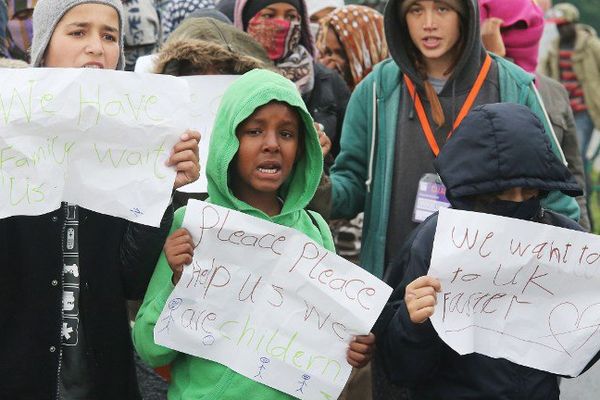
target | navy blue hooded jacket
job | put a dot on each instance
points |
(497, 147)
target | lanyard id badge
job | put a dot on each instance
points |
(431, 196)
(470, 100)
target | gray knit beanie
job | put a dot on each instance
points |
(47, 14)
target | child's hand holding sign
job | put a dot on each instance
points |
(421, 297)
(179, 250)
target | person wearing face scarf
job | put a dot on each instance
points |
(413, 353)
(513, 29)
(282, 27)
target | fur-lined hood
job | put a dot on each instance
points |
(10, 63)
(205, 45)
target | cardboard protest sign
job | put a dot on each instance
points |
(269, 303)
(206, 93)
(519, 290)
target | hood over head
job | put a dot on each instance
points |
(226, 7)
(207, 45)
(564, 13)
(210, 13)
(401, 46)
(306, 38)
(522, 28)
(360, 30)
(498, 147)
(251, 91)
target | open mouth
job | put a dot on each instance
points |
(93, 65)
(431, 41)
(269, 167)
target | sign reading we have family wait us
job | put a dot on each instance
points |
(269, 303)
(518, 290)
(97, 138)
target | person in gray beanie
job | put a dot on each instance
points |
(46, 16)
(71, 271)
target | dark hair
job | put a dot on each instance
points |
(255, 6)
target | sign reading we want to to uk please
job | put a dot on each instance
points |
(519, 290)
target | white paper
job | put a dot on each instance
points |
(145, 63)
(518, 290)
(269, 303)
(99, 139)
(206, 93)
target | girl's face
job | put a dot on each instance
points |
(87, 36)
(434, 28)
(279, 11)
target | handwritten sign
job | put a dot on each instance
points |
(99, 139)
(523, 291)
(269, 303)
(206, 93)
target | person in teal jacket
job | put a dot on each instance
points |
(384, 153)
(265, 160)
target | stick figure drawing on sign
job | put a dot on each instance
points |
(173, 305)
(263, 365)
(305, 378)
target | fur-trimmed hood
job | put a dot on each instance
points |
(210, 46)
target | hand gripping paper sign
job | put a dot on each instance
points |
(96, 138)
(269, 303)
(518, 290)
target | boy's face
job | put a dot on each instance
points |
(87, 36)
(434, 28)
(269, 143)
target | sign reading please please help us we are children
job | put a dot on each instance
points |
(518, 290)
(269, 303)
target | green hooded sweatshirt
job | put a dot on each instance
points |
(197, 378)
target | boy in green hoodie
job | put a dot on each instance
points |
(265, 160)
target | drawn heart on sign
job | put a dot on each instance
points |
(575, 323)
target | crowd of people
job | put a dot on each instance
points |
(340, 114)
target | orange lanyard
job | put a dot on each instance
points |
(485, 69)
